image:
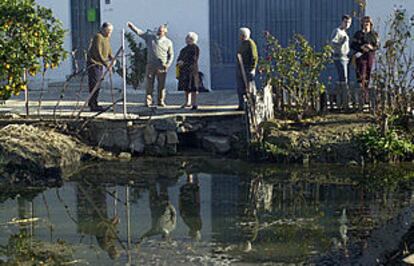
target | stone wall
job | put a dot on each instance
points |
(165, 137)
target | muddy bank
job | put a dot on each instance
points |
(35, 152)
(328, 139)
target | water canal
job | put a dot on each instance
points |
(204, 211)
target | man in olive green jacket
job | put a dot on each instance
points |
(249, 54)
(99, 56)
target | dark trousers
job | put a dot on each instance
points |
(364, 65)
(95, 74)
(241, 86)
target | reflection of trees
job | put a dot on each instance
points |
(189, 206)
(93, 217)
(23, 249)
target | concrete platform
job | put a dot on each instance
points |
(45, 104)
(216, 126)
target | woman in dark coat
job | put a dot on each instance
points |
(188, 77)
(365, 42)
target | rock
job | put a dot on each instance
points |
(172, 137)
(182, 129)
(136, 140)
(165, 124)
(352, 163)
(216, 144)
(115, 138)
(171, 149)
(162, 138)
(150, 135)
(125, 156)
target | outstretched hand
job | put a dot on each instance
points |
(130, 25)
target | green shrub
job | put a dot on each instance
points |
(137, 62)
(394, 146)
(296, 69)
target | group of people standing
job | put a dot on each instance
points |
(365, 43)
(160, 58)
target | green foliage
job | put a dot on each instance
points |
(296, 69)
(30, 38)
(22, 249)
(394, 146)
(386, 178)
(137, 62)
(395, 65)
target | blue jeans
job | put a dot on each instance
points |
(342, 67)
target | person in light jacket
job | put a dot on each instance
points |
(341, 45)
(159, 59)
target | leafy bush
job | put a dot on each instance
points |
(31, 39)
(137, 62)
(395, 65)
(296, 69)
(394, 146)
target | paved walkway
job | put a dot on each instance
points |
(44, 103)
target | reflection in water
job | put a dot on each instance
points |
(93, 217)
(189, 205)
(163, 213)
(248, 222)
(299, 216)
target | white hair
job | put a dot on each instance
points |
(245, 32)
(193, 36)
(165, 27)
(107, 25)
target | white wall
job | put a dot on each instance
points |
(61, 10)
(182, 17)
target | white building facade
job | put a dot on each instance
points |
(181, 16)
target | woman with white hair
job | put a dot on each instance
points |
(188, 77)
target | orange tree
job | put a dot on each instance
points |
(31, 39)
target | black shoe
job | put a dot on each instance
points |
(195, 107)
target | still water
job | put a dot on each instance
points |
(204, 211)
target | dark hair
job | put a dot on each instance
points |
(347, 17)
(367, 18)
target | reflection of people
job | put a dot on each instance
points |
(189, 206)
(189, 78)
(159, 59)
(248, 219)
(99, 55)
(249, 54)
(365, 42)
(163, 213)
(93, 218)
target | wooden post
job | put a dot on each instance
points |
(128, 221)
(112, 93)
(26, 94)
(124, 73)
(251, 108)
